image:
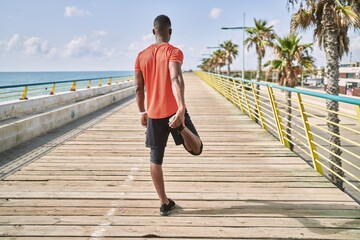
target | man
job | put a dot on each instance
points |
(158, 70)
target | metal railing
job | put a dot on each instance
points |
(25, 91)
(298, 118)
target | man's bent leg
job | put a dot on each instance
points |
(188, 136)
(192, 143)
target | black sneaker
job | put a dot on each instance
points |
(165, 209)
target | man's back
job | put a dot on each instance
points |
(153, 62)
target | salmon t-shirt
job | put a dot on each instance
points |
(153, 63)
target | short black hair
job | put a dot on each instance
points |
(162, 22)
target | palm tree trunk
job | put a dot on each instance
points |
(288, 118)
(228, 68)
(331, 46)
(258, 76)
(258, 73)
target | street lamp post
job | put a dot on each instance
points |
(243, 40)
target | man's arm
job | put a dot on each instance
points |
(178, 88)
(140, 96)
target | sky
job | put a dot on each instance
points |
(105, 35)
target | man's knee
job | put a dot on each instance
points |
(196, 153)
(157, 155)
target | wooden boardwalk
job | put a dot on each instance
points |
(246, 185)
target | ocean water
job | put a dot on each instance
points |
(23, 78)
(19, 78)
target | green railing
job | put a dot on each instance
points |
(24, 92)
(298, 118)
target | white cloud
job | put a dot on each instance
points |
(83, 47)
(72, 11)
(14, 43)
(148, 37)
(139, 45)
(78, 47)
(134, 46)
(215, 13)
(34, 46)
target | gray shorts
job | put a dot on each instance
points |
(157, 134)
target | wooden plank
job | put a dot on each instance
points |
(174, 172)
(186, 204)
(187, 232)
(177, 167)
(243, 179)
(152, 211)
(244, 187)
(116, 194)
(178, 221)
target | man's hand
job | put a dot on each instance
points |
(143, 120)
(178, 120)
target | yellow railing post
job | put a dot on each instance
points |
(89, 84)
(110, 81)
(213, 82)
(358, 113)
(247, 101)
(219, 85)
(24, 94)
(229, 90)
(277, 117)
(238, 95)
(260, 114)
(226, 89)
(52, 91)
(100, 82)
(73, 86)
(309, 137)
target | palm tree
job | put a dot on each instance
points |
(331, 19)
(231, 51)
(205, 65)
(219, 58)
(291, 58)
(260, 36)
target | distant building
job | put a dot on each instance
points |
(315, 81)
(349, 79)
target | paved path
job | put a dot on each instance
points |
(245, 185)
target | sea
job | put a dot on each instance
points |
(20, 78)
(9, 79)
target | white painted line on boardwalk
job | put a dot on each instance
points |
(98, 233)
(101, 229)
(129, 178)
(110, 212)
